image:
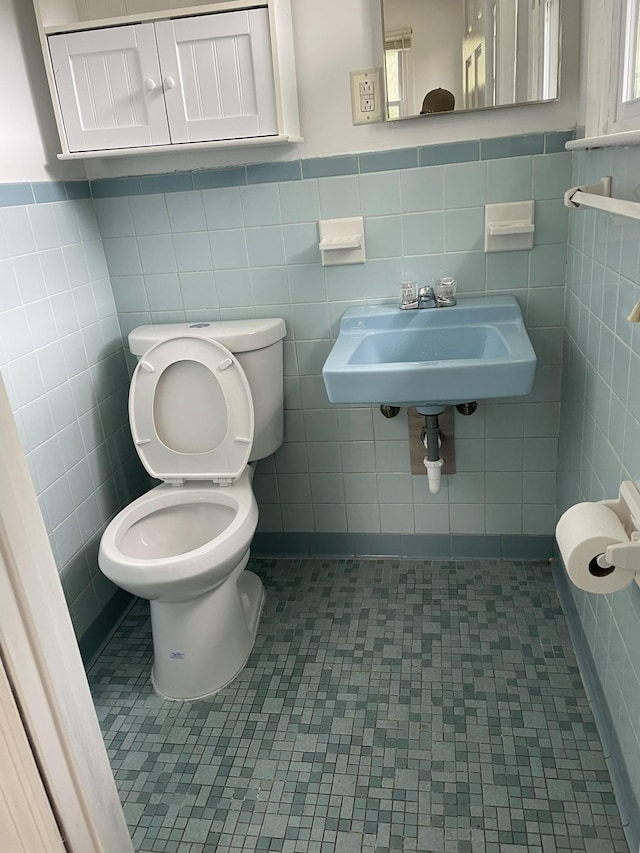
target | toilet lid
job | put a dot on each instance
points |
(190, 411)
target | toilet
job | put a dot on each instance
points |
(206, 399)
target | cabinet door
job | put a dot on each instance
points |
(109, 88)
(218, 76)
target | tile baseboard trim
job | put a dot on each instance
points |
(98, 634)
(413, 546)
(627, 802)
(367, 162)
(43, 192)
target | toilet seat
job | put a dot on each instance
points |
(191, 411)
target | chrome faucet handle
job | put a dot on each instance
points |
(408, 295)
(445, 301)
(426, 297)
(445, 289)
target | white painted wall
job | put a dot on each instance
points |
(28, 137)
(331, 38)
(596, 67)
(584, 58)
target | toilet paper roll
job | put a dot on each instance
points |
(584, 532)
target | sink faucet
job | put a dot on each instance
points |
(427, 297)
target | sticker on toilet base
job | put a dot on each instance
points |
(177, 655)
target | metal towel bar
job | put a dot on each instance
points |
(598, 197)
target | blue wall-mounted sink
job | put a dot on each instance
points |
(476, 350)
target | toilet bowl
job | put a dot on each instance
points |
(179, 548)
(176, 544)
(185, 544)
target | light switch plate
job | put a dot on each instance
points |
(366, 95)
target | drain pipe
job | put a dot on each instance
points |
(432, 461)
(430, 438)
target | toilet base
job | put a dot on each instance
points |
(200, 646)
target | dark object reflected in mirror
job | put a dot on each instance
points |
(438, 101)
(482, 53)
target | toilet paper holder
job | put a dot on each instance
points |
(625, 555)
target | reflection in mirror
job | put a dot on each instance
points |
(469, 54)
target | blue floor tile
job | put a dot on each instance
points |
(387, 705)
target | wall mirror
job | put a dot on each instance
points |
(469, 54)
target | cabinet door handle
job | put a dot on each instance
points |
(150, 84)
(168, 82)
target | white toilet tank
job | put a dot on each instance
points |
(257, 344)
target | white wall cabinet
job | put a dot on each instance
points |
(223, 75)
(221, 78)
(109, 88)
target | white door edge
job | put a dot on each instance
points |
(27, 821)
(41, 657)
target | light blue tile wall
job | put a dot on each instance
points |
(600, 426)
(242, 242)
(247, 246)
(63, 363)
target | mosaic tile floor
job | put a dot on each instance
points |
(415, 706)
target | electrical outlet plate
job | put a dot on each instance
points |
(366, 95)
